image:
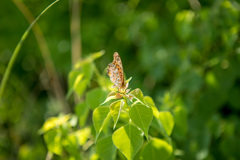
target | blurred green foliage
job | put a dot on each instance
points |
(188, 61)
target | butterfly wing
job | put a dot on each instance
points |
(118, 63)
(115, 72)
(114, 75)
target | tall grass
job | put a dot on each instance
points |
(17, 49)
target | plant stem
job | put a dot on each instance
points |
(16, 51)
(75, 24)
(75, 27)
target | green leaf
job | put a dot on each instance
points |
(82, 135)
(82, 111)
(180, 118)
(128, 80)
(142, 116)
(87, 70)
(183, 24)
(89, 59)
(53, 140)
(76, 83)
(112, 93)
(80, 78)
(100, 116)
(155, 111)
(156, 123)
(95, 97)
(115, 110)
(81, 87)
(108, 99)
(138, 96)
(73, 76)
(71, 79)
(157, 149)
(96, 55)
(167, 121)
(71, 146)
(104, 82)
(128, 139)
(106, 149)
(149, 101)
(107, 123)
(54, 122)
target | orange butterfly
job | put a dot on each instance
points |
(115, 72)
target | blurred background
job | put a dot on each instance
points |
(177, 52)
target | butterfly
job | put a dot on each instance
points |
(115, 72)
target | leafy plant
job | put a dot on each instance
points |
(192, 77)
(120, 123)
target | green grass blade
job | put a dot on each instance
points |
(16, 51)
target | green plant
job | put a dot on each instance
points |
(193, 76)
(121, 124)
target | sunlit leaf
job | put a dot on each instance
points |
(157, 149)
(71, 146)
(156, 123)
(128, 139)
(96, 55)
(81, 87)
(142, 116)
(80, 78)
(52, 139)
(74, 78)
(112, 93)
(100, 116)
(109, 99)
(155, 111)
(54, 122)
(106, 149)
(128, 80)
(167, 121)
(115, 109)
(149, 101)
(137, 95)
(89, 59)
(82, 135)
